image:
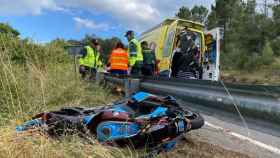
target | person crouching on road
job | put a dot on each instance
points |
(149, 62)
(90, 60)
(118, 60)
(135, 54)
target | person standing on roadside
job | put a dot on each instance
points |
(149, 60)
(90, 59)
(135, 54)
(118, 60)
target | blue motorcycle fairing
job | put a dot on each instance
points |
(158, 112)
(140, 96)
(113, 130)
(167, 146)
(87, 119)
(29, 124)
(181, 126)
(119, 108)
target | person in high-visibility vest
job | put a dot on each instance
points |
(90, 60)
(118, 60)
(135, 54)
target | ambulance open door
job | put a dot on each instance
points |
(211, 57)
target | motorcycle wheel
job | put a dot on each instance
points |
(197, 121)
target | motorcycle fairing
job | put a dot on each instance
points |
(113, 130)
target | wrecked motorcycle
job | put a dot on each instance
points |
(144, 120)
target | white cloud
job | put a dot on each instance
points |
(133, 14)
(90, 24)
(27, 7)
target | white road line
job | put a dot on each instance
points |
(255, 142)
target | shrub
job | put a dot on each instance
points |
(26, 51)
(254, 62)
(267, 54)
(44, 80)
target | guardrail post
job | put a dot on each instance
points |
(134, 85)
(99, 77)
(131, 86)
(127, 87)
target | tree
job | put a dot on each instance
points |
(7, 29)
(275, 40)
(223, 12)
(267, 54)
(184, 13)
(250, 37)
(276, 18)
(197, 13)
(107, 46)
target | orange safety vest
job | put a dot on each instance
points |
(119, 59)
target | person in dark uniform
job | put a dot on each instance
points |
(149, 60)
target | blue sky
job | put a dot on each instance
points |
(44, 20)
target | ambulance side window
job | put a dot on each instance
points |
(168, 44)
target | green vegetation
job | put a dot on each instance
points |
(7, 29)
(197, 13)
(251, 37)
(36, 78)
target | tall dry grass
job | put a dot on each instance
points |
(36, 78)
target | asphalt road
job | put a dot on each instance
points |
(226, 130)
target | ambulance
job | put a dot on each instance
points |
(184, 49)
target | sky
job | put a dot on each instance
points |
(45, 20)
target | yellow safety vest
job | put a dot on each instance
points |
(92, 59)
(135, 56)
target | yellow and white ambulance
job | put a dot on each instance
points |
(163, 39)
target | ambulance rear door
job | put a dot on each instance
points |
(211, 57)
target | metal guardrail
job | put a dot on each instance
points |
(242, 88)
(130, 85)
(250, 100)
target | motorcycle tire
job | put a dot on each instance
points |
(197, 121)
